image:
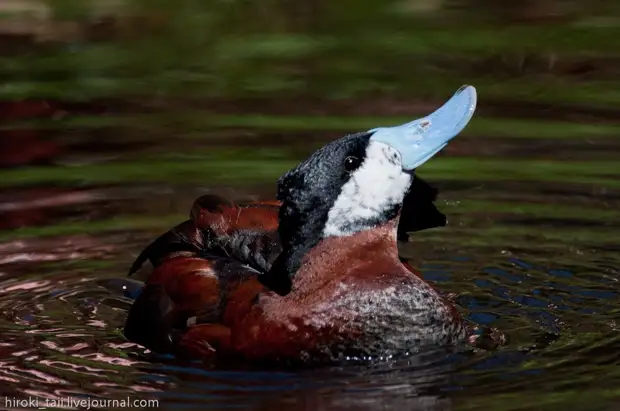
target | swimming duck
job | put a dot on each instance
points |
(314, 276)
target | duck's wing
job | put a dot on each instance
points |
(224, 217)
(217, 227)
(198, 266)
(183, 292)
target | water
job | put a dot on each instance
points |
(138, 107)
(530, 250)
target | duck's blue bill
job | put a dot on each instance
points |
(421, 139)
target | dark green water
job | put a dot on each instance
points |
(531, 249)
(177, 99)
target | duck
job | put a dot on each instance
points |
(314, 276)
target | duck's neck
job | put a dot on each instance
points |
(337, 256)
(330, 256)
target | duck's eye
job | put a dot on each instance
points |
(351, 163)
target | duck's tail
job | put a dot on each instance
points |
(185, 237)
(151, 320)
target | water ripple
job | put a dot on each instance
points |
(559, 310)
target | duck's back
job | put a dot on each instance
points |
(198, 266)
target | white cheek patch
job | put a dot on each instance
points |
(375, 187)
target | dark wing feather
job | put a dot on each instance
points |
(184, 237)
(218, 228)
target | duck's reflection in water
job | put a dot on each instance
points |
(414, 383)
